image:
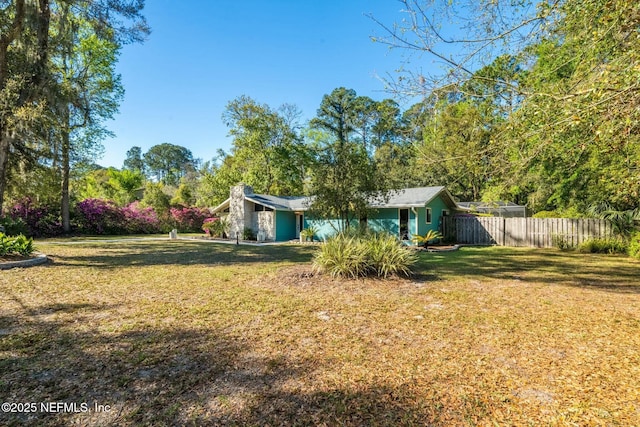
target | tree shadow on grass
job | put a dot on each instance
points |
(144, 375)
(169, 376)
(112, 255)
(599, 272)
(367, 406)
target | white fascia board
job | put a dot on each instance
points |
(222, 205)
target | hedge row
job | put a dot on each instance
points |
(97, 216)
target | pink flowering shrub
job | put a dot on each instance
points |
(31, 219)
(215, 227)
(208, 224)
(98, 216)
(140, 220)
(188, 219)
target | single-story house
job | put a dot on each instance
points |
(406, 213)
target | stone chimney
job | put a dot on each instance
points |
(239, 210)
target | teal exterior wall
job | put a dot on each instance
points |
(386, 219)
(325, 228)
(285, 226)
(383, 219)
(438, 206)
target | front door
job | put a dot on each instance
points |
(299, 224)
(404, 224)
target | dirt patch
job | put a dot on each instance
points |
(435, 248)
(304, 276)
(301, 275)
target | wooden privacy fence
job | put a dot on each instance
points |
(534, 232)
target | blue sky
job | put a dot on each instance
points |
(204, 53)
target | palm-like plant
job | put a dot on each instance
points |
(216, 227)
(623, 222)
(308, 233)
(424, 240)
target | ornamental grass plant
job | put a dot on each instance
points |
(363, 254)
(387, 256)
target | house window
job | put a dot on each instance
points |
(259, 208)
(427, 215)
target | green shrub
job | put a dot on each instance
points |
(18, 245)
(216, 227)
(23, 245)
(563, 213)
(4, 244)
(13, 226)
(547, 214)
(247, 234)
(610, 245)
(561, 242)
(362, 255)
(634, 245)
(428, 237)
(308, 233)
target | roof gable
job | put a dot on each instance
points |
(222, 206)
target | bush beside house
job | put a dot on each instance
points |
(216, 227)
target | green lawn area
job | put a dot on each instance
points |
(197, 333)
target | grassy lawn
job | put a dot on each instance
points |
(193, 333)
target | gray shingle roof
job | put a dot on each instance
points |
(281, 203)
(405, 198)
(408, 197)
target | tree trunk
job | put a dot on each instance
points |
(5, 144)
(10, 35)
(64, 203)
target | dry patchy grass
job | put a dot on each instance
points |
(194, 333)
